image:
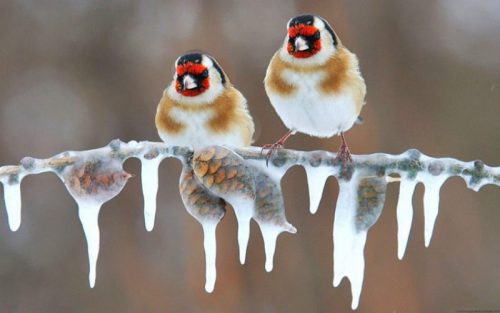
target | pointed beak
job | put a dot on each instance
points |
(189, 82)
(301, 44)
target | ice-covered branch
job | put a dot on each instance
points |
(92, 177)
(214, 177)
(410, 163)
(362, 194)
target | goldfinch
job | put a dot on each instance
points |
(201, 107)
(314, 83)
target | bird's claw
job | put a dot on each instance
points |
(344, 155)
(273, 147)
(276, 146)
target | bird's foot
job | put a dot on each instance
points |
(273, 147)
(276, 146)
(344, 155)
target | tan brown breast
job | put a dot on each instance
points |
(164, 120)
(341, 74)
(274, 81)
(228, 114)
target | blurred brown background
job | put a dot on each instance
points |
(76, 74)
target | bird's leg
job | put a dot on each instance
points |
(275, 146)
(344, 154)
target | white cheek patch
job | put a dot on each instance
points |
(207, 62)
(327, 41)
(214, 77)
(318, 23)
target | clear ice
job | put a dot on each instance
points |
(92, 181)
(270, 235)
(404, 213)
(431, 202)
(218, 175)
(88, 212)
(210, 246)
(316, 179)
(270, 209)
(149, 180)
(12, 198)
(244, 210)
(208, 210)
(348, 243)
(404, 209)
(359, 206)
(252, 189)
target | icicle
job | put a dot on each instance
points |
(269, 235)
(431, 202)
(244, 213)
(210, 245)
(251, 188)
(92, 181)
(12, 197)
(316, 179)
(88, 212)
(270, 212)
(359, 205)
(404, 213)
(149, 178)
(208, 209)
(226, 175)
(346, 240)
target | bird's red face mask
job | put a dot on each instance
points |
(192, 79)
(304, 41)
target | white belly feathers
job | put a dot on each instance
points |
(196, 133)
(312, 112)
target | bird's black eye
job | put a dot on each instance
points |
(316, 35)
(204, 74)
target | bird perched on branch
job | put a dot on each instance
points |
(314, 83)
(201, 107)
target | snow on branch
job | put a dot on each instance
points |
(214, 178)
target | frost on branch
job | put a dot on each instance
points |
(217, 178)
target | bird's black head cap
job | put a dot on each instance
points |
(306, 19)
(194, 57)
